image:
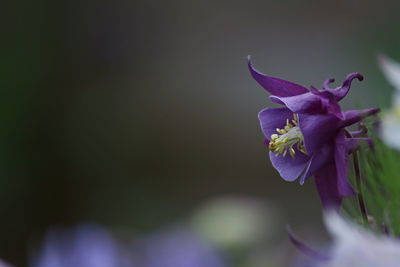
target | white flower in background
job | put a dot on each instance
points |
(354, 246)
(235, 222)
(391, 118)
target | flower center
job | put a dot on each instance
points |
(286, 138)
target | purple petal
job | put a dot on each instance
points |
(276, 86)
(276, 100)
(314, 90)
(327, 82)
(304, 103)
(334, 109)
(317, 130)
(353, 116)
(326, 182)
(322, 93)
(328, 102)
(341, 161)
(320, 159)
(272, 118)
(341, 92)
(289, 168)
(303, 247)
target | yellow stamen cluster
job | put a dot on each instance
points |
(286, 138)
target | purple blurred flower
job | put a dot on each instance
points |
(310, 127)
(175, 247)
(4, 264)
(85, 246)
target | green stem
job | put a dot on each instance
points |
(358, 185)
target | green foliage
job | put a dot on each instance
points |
(380, 187)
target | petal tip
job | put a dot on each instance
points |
(249, 64)
(352, 76)
(301, 246)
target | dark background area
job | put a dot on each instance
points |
(132, 113)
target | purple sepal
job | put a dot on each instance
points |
(276, 86)
(354, 116)
(341, 162)
(317, 130)
(303, 103)
(326, 180)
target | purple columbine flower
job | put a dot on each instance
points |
(307, 135)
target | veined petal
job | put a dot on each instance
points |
(272, 118)
(290, 168)
(326, 182)
(341, 161)
(303, 103)
(353, 116)
(317, 130)
(391, 70)
(276, 86)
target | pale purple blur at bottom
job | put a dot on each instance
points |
(85, 246)
(175, 247)
(93, 246)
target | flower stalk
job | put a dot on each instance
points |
(360, 198)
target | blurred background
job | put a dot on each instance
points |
(133, 114)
